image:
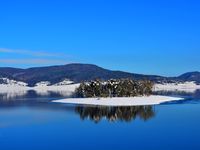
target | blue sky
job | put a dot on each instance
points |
(150, 37)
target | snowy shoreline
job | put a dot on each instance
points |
(120, 101)
(12, 88)
(18, 90)
(182, 87)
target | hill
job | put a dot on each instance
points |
(81, 72)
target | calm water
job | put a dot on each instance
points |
(32, 122)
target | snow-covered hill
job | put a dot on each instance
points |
(6, 81)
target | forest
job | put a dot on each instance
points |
(114, 88)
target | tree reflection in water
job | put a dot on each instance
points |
(114, 114)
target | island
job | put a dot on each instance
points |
(117, 92)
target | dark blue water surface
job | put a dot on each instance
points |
(34, 123)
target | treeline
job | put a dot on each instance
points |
(114, 88)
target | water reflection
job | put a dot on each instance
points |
(32, 100)
(22, 95)
(114, 114)
(95, 114)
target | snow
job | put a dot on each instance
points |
(185, 87)
(7, 81)
(47, 83)
(12, 88)
(43, 83)
(11, 91)
(64, 82)
(120, 101)
(64, 90)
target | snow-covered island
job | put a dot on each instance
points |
(123, 92)
(120, 101)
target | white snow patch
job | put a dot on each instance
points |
(7, 81)
(13, 90)
(185, 87)
(64, 90)
(120, 101)
(43, 83)
(64, 82)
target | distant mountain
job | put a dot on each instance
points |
(190, 76)
(79, 73)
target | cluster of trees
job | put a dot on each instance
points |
(113, 114)
(114, 88)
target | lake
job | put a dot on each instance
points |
(32, 121)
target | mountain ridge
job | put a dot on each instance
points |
(83, 72)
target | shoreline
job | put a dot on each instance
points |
(190, 87)
(64, 90)
(120, 101)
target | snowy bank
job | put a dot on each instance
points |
(13, 90)
(184, 87)
(120, 101)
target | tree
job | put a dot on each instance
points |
(114, 88)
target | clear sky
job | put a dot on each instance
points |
(142, 36)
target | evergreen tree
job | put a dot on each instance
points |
(114, 88)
